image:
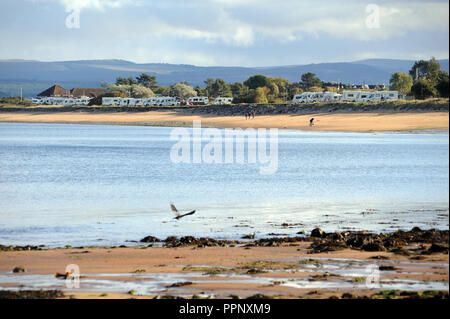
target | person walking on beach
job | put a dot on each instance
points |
(254, 113)
(311, 122)
(246, 115)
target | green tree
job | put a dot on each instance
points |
(209, 84)
(257, 81)
(423, 88)
(133, 90)
(426, 69)
(139, 91)
(283, 86)
(309, 80)
(401, 82)
(146, 80)
(315, 89)
(182, 90)
(200, 91)
(443, 84)
(260, 96)
(125, 81)
(162, 90)
(219, 88)
(238, 89)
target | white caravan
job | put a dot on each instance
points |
(150, 101)
(317, 97)
(36, 101)
(169, 101)
(61, 101)
(331, 97)
(197, 100)
(300, 98)
(127, 101)
(389, 95)
(305, 97)
(139, 102)
(81, 101)
(111, 101)
(223, 101)
(364, 96)
(351, 96)
(382, 96)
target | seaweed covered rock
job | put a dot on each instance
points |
(317, 232)
(150, 239)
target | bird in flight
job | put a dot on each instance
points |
(176, 212)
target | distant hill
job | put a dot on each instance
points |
(35, 76)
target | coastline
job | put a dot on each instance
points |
(338, 122)
(315, 266)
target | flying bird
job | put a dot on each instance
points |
(176, 212)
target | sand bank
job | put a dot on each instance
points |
(221, 271)
(346, 122)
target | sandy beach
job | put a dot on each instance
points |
(346, 122)
(279, 271)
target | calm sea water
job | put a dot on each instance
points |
(109, 185)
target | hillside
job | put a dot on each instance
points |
(35, 76)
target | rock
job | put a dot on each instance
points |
(18, 269)
(387, 268)
(321, 246)
(259, 296)
(379, 257)
(317, 232)
(150, 239)
(180, 284)
(437, 248)
(373, 246)
(335, 236)
(31, 294)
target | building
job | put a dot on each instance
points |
(86, 92)
(58, 91)
(54, 91)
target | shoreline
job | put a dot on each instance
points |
(330, 122)
(319, 266)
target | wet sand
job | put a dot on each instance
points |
(346, 122)
(223, 271)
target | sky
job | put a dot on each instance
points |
(224, 32)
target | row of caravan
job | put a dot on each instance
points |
(346, 96)
(125, 101)
(163, 101)
(60, 101)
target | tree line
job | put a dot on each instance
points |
(425, 79)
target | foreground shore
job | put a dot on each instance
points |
(345, 122)
(335, 265)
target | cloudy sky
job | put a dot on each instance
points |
(223, 32)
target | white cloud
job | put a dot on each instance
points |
(237, 22)
(92, 4)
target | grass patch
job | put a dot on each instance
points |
(207, 270)
(270, 265)
(358, 279)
